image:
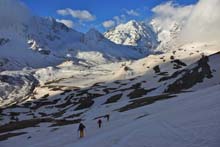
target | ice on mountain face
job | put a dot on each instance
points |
(47, 34)
(135, 34)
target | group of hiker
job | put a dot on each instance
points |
(82, 127)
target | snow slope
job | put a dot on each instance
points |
(189, 119)
(145, 104)
(163, 125)
(78, 90)
(83, 75)
(160, 72)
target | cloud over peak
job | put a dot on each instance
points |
(108, 23)
(132, 12)
(203, 24)
(68, 23)
(168, 13)
(199, 22)
(82, 15)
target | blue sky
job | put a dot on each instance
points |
(99, 10)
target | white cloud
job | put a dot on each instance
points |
(167, 14)
(12, 12)
(120, 19)
(68, 23)
(63, 12)
(108, 23)
(203, 24)
(82, 15)
(117, 20)
(199, 22)
(132, 12)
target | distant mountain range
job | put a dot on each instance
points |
(40, 42)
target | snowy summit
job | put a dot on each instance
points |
(133, 33)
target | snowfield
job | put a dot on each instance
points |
(190, 119)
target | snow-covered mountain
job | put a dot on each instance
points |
(137, 34)
(47, 42)
(49, 102)
(53, 77)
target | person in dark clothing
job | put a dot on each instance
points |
(107, 117)
(81, 130)
(99, 123)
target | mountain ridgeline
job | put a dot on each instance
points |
(48, 42)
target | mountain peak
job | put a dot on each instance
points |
(132, 22)
(135, 34)
(93, 34)
(93, 31)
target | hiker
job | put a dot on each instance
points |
(100, 123)
(81, 130)
(107, 117)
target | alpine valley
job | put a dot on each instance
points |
(158, 90)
